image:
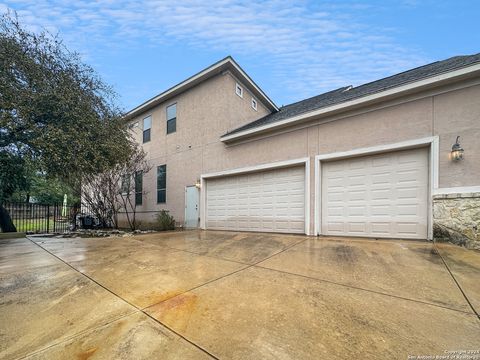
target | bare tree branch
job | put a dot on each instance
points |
(113, 191)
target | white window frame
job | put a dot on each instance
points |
(239, 90)
(254, 104)
(149, 128)
(174, 118)
(143, 122)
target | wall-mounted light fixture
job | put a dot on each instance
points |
(457, 151)
(198, 184)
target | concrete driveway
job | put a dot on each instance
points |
(225, 295)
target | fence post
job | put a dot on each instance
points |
(54, 215)
(48, 218)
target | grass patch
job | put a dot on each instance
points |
(40, 225)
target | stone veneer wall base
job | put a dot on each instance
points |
(456, 218)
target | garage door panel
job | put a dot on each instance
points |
(381, 228)
(408, 193)
(381, 210)
(382, 195)
(356, 210)
(335, 228)
(356, 227)
(271, 200)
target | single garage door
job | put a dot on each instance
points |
(269, 201)
(384, 195)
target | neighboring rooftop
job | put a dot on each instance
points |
(348, 93)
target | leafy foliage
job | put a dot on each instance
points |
(54, 109)
(45, 190)
(13, 175)
(56, 114)
(165, 221)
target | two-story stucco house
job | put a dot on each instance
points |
(374, 160)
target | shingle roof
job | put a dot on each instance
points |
(347, 93)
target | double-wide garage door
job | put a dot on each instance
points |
(384, 195)
(268, 201)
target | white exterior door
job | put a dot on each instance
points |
(269, 201)
(191, 207)
(383, 195)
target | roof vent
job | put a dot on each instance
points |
(347, 88)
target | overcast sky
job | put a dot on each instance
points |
(292, 49)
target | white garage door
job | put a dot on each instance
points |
(270, 201)
(383, 195)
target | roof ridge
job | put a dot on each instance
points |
(345, 94)
(420, 67)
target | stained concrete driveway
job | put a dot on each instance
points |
(200, 295)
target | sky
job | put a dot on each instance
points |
(292, 49)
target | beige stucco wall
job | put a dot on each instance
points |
(204, 113)
(458, 113)
(211, 109)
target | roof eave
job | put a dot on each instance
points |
(225, 64)
(424, 84)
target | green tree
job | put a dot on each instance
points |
(44, 190)
(55, 112)
(13, 175)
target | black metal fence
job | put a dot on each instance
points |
(44, 218)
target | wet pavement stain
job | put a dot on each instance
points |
(428, 253)
(87, 354)
(156, 298)
(460, 264)
(181, 304)
(177, 310)
(345, 254)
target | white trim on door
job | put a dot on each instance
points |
(431, 141)
(186, 205)
(269, 166)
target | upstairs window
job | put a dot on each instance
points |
(171, 118)
(254, 104)
(138, 188)
(161, 184)
(239, 90)
(147, 128)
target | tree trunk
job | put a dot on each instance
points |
(6, 223)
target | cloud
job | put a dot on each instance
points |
(308, 47)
